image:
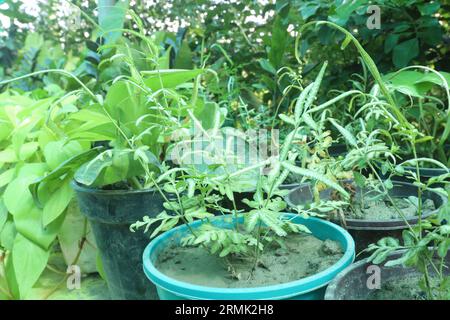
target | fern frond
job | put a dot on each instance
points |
(316, 176)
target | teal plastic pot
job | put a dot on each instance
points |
(309, 288)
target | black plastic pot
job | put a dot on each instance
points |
(425, 173)
(337, 150)
(351, 283)
(366, 232)
(110, 213)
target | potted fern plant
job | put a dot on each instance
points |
(414, 267)
(252, 254)
(378, 206)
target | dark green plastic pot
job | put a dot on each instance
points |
(425, 173)
(110, 213)
(351, 283)
(365, 232)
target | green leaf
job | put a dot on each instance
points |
(69, 165)
(184, 57)
(29, 260)
(409, 82)
(360, 180)
(349, 137)
(210, 117)
(390, 42)
(308, 9)
(57, 203)
(279, 41)
(300, 103)
(90, 171)
(316, 176)
(16, 194)
(287, 119)
(405, 52)
(6, 177)
(27, 216)
(427, 9)
(125, 102)
(344, 10)
(8, 156)
(57, 152)
(265, 64)
(396, 262)
(3, 215)
(443, 248)
(100, 268)
(74, 230)
(111, 16)
(168, 79)
(27, 150)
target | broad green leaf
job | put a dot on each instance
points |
(57, 152)
(344, 10)
(360, 180)
(111, 17)
(308, 9)
(169, 79)
(90, 171)
(434, 78)
(7, 235)
(16, 195)
(29, 260)
(427, 9)
(125, 102)
(8, 156)
(164, 60)
(27, 216)
(409, 82)
(404, 52)
(27, 150)
(184, 57)
(390, 42)
(3, 215)
(279, 41)
(72, 232)
(7, 176)
(265, 64)
(67, 166)
(58, 202)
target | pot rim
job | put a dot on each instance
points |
(78, 187)
(386, 224)
(276, 291)
(330, 293)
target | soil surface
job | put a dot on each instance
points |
(405, 288)
(302, 256)
(384, 210)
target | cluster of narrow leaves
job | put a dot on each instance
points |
(247, 232)
(425, 248)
